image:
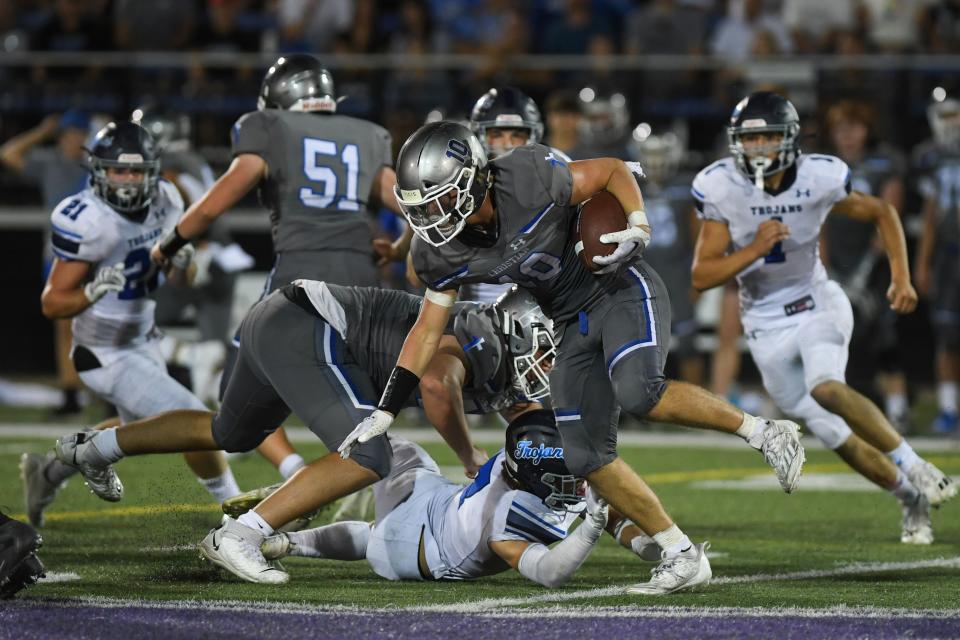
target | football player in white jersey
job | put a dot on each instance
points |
(102, 278)
(762, 210)
(428, 528)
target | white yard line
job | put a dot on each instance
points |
(632, 611)
(494, 436)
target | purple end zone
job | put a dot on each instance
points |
(26, 620)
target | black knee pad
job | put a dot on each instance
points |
(376, 455)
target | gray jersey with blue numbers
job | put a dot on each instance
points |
(87, 229)
(374, 324)
(321, 168)
(940, 182)
(532, 245)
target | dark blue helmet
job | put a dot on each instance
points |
(505, 108)
(535, 461)
(125, 145)
(765, 112)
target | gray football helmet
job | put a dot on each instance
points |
(529, 337)
(297, 82)
(170, 130)
(659, 154)
(943, 114)
(442, 178)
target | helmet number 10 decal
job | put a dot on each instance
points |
(776, 253)
(458, 150)
(317, 156)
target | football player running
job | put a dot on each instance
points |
(102, 278)
(762, 211)
(428, 528)
(510, 220)
(325, 352)
(319, 173)
(938, 252)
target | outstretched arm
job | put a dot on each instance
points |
(245, 172)
(867, 208)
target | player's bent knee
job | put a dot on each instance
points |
(827, 393)
(232, 439)
(639, 397)
(833, 433)
(375, 455)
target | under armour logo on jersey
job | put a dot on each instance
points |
(554, 161)
(541, 452)
(803, 193)
(518, 243)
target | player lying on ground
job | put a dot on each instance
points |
(324, 351)
(512, 219)
(763, 210)
(107, 230)
(427, 528)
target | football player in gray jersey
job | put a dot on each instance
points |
(798, 322)
(325, 352)
(512, 219)
(938, 253)
(670, 252)
(318, 172)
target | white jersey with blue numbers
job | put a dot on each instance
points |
(488, 510)
(86, 228)
(785, 282)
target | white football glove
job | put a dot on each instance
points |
(107, 279)
(597, 511)
(182, 258)
(630, 242)
(372, 426)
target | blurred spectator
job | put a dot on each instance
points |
(941, 27)
(72, 26)
(415, 32)
(313, 25)
(665, 27)
(893, 26)
(223, 31)
(736, 33)
(573, 32)
(854, 256)
(167, 26)
(13, 37)
(562, 112)
(60, 172)
(815, 24)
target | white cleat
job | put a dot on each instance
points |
(38, 492)
(277, 546)
(102, 479)
(236, 548)
(779, 442)
(917, 528)
(681, 571)
(934, 484)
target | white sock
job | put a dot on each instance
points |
(290, 465)
(947, 397)
(672, 540)
(337, 541)
(253, 520)
(222, 487)
(904, 456)
(103, 449)
(905, 492)
(749, 425)
(896, 405)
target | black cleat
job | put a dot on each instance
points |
(19, 565)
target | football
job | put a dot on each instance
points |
(599, 215)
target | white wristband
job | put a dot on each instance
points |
(440, 298)
(637, 218)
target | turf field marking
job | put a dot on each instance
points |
(57, 576)
(125, 512)
(645, 611)
(860, 568)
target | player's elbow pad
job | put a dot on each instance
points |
(553, 567)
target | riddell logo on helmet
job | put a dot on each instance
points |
(525, 451)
